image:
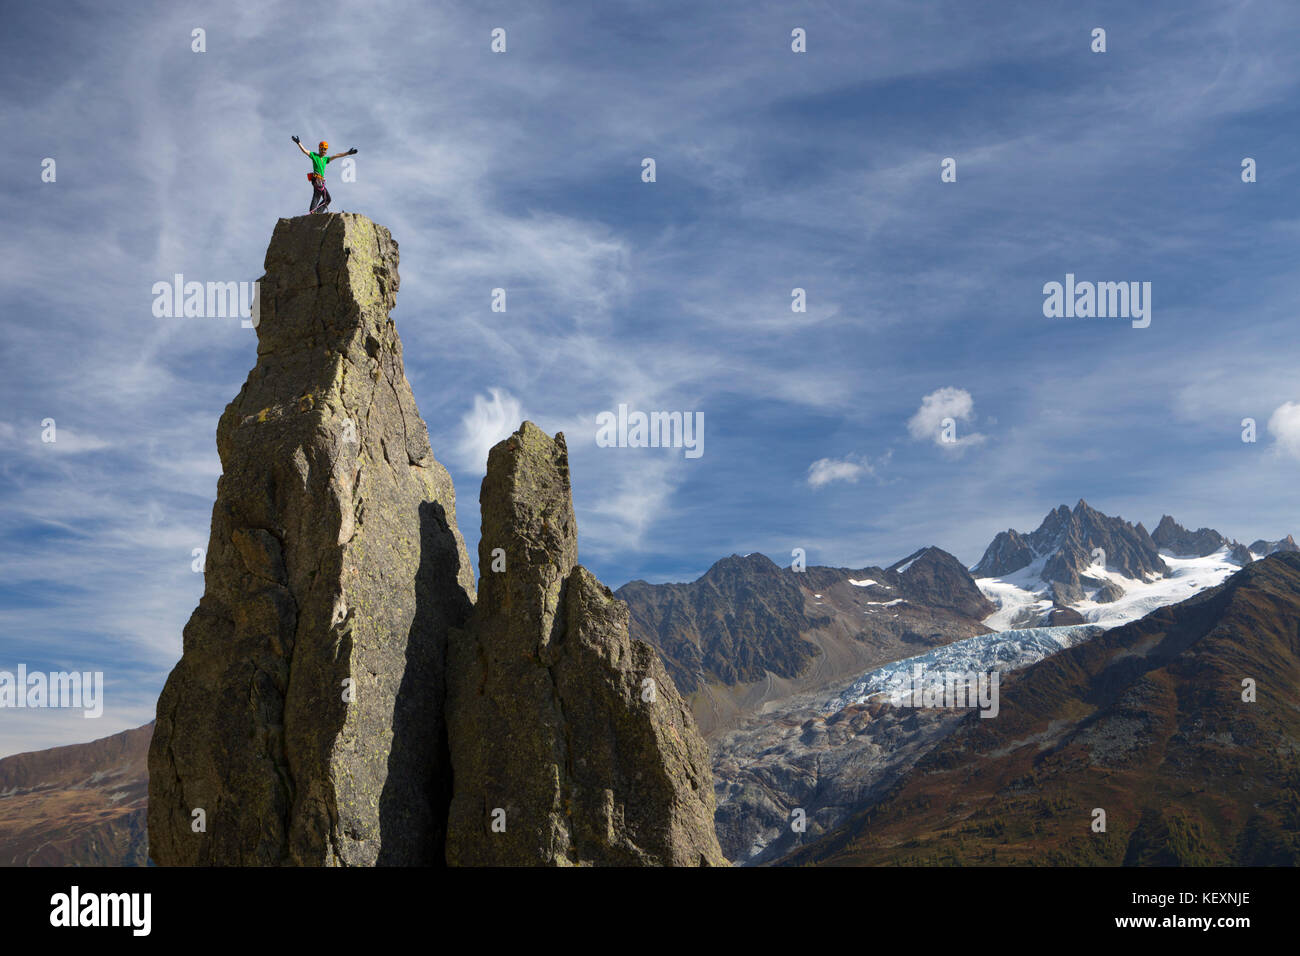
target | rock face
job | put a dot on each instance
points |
(1008, 552)
(1063, 616)
(1177, 540)
(570, 745)
(1108, 593)
(1241, 554)
(305, 717)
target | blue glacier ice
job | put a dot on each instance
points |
(1001, 651)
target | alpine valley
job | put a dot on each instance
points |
(785, 672)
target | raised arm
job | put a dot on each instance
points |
(341, 155)
(299, 144)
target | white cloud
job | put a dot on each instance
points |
(937, 407)
(638, 492)
(493, 418)
(850, 468)
(1284, 425)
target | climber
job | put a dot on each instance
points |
(320, 197)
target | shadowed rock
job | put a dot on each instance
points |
(569, 741)
(305, 716)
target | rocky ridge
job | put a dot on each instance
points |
(1067, 540)
(1264, 548)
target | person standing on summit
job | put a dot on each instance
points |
(320, 197)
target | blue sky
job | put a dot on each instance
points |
(775, 170)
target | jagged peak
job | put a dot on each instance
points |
(1067, 538)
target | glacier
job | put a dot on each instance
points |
(1001, 651)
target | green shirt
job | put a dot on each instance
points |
(318, 162)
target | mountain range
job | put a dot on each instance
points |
(1065, 543)
(755, 648)
(1081, 565)
(748, 632)
(1177, 734)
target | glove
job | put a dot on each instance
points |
(297, 140)
(352, 150)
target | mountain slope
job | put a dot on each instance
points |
(81, 805)
(743, 617)
(746, 616)
(748, 634)
(1146, 722)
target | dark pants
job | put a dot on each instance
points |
(320, 196)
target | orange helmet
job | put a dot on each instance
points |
(323, 146)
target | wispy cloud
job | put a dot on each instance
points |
(776, 171)
(493, 417)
